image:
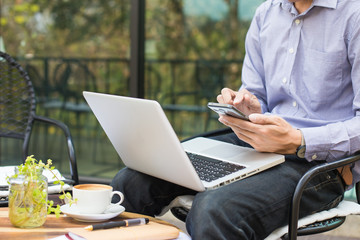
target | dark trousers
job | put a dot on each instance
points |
(247, 209)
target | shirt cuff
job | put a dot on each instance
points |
(317, 143)
(328, 142)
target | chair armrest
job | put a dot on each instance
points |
(295, 204)
(70, 144)
(357, 192)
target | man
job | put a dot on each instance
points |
(301, 90)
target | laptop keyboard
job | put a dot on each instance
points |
(210, 169)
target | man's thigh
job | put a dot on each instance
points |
(261, 202)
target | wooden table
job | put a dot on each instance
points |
(55, 227)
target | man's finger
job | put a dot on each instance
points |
(227, 95)
(220, 98)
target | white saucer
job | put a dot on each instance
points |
(75, 214)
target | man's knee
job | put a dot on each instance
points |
(211, 218)
(206, 208)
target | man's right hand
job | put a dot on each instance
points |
(242, 100)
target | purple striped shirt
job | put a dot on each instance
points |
(306, 69)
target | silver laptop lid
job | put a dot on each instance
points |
(143, 137)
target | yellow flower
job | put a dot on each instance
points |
(3, 21)
(34, 8)
(19, 19)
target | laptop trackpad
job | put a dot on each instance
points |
(224, 151)
(214, 148)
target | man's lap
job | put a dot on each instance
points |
(255, 205)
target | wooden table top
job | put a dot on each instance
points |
(53, 226)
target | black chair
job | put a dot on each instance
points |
(328, 224)
(293, 231)
(17, 110)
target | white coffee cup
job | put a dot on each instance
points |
(94, 198)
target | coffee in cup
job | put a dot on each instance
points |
(94, 198)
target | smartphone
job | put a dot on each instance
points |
(227, 109)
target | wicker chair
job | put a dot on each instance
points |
(17, 110)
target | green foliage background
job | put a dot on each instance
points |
(193, 49)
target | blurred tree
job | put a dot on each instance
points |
(178, 35)
(98, 28)
(66, 28)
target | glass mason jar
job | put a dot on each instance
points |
(28, 200)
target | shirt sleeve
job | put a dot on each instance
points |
(333, 141)
(253, 69)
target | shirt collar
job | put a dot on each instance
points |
(326, 3)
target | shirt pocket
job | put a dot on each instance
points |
(322, 77)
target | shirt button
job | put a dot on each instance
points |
(291, 50)
(284, 80)
(314, 157)
(294, 104)
(297, 21)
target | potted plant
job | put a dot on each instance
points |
(28, 199)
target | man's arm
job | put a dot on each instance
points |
(253, 75)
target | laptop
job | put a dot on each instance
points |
(145, 141)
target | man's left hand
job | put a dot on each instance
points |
(265, 133)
